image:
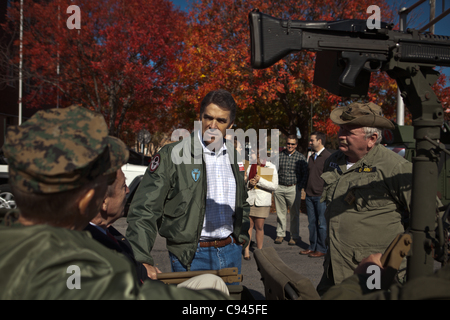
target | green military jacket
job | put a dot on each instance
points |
(36, 264)
(364, 206)
(171, 200)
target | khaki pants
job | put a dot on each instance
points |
(287, 197)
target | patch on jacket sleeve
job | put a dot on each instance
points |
(195, 174)
(154, 164)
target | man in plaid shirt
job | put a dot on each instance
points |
(292, 178)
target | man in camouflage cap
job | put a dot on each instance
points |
(60, 163)
(367, 191)
(61, 149)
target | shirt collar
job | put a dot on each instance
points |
(223, 149)
(289, 154)
(99, 228)
(319, 152)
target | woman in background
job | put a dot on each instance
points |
(259, 197)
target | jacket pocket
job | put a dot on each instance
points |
(180, 221)
(176, 206)
(370, 194)
(331, 178)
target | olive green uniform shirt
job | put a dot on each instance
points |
(364, 206)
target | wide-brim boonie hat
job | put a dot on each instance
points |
(61, 149)
(361, 114)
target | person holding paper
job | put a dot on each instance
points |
(262, 180)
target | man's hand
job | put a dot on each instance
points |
(151, 271)
(373, 259)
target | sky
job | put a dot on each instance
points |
(416, 19)
(422, 17)
(182, 4)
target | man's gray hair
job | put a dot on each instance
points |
(369, 131)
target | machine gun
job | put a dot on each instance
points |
(347, 53)
(359, 50)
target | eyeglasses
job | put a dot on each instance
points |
(291, 144)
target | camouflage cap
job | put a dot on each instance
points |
(61, 149)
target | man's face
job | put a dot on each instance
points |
(215, 122)
(291, 144)
(116, 201)
(314, 143)
(352, 142)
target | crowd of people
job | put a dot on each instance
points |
(65, 173)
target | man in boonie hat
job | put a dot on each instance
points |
(361, 114)
(367, 191)
(60, 164)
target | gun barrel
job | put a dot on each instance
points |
(421, 52)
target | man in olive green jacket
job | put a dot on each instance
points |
(173, 197)
(60, 164)
(367, 189)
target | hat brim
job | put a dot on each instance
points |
(362, 121)
(118, 154)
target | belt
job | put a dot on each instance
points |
(288, 185)
(216, 243)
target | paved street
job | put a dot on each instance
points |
(309, 267)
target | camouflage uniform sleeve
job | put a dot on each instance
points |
(147, 207)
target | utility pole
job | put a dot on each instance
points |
(20, 61)
(432, 14)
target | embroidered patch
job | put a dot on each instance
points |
(195, 174)
(335, 166)
(155, 163)
(350, 197)
(372, 169)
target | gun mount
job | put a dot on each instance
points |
(347, 53)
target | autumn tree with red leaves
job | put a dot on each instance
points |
(119, 63)
(216, 55)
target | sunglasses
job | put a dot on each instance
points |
(291, 144)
